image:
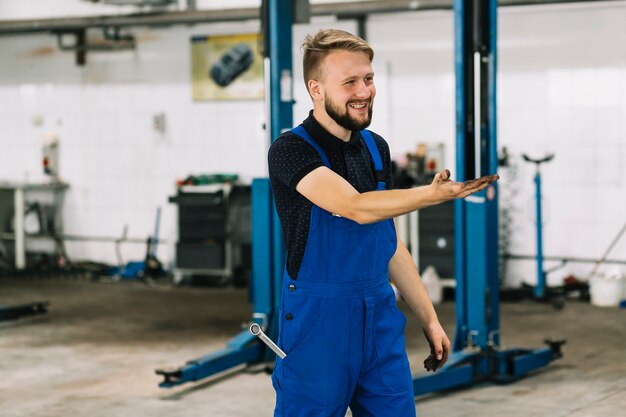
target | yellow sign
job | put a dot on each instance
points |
(226, 67)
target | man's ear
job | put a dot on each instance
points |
(315, 90)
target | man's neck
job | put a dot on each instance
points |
(330, 125)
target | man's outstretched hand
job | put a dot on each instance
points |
(446, 189)
(439, 347)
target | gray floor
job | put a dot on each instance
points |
(95, 352)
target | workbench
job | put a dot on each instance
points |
(43, 202)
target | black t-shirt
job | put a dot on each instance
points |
(291, 158)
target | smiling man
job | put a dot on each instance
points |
(339, 324)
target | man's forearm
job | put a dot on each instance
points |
(328, 190)
(404, 275)
(375, 206)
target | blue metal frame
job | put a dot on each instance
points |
(476, 356)
(459, 208)
(241, 349)
(267, 260)
(540, 289)
(279, 27)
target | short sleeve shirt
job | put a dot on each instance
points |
(291, 158)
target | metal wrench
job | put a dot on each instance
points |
(256, 330)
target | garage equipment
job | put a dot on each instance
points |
(268, 252)
(476, 353)
(541, 292)
(245, 348)
(214, 232)
(149, 267)
(607, 251)
(23, 310)
(540, 289)
(152, 265)
(125, 270)
(203, 246)
(476, 349)
(31, 218)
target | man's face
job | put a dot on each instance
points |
(348, 89)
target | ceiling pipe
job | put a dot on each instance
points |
(192, 16)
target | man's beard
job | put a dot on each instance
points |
(344, 119)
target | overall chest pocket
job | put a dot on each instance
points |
(359, 250)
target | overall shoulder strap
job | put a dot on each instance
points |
(376, 159)
(301, 132)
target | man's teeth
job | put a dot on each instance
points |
(358, 106)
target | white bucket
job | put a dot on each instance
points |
(606, 290)
(432, 282)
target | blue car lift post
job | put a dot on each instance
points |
(268, 253)
(476, 355)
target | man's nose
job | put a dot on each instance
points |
(363, 90)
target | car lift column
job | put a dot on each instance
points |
(278, 31)
(268, 251)
(477, 215)
(476, 356)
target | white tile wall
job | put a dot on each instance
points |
(119, 168)
(419, 79)
(561, 88)
(570, 91)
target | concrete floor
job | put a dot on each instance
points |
(95, 352)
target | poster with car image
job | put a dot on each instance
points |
(226, 67)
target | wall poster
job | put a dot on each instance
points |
(227, 67)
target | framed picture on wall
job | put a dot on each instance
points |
(226, 67)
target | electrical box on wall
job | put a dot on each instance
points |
(50, 156)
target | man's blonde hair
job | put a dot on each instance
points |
(316, 48)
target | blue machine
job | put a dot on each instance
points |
(476, 355)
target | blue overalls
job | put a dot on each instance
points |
(339, 323)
